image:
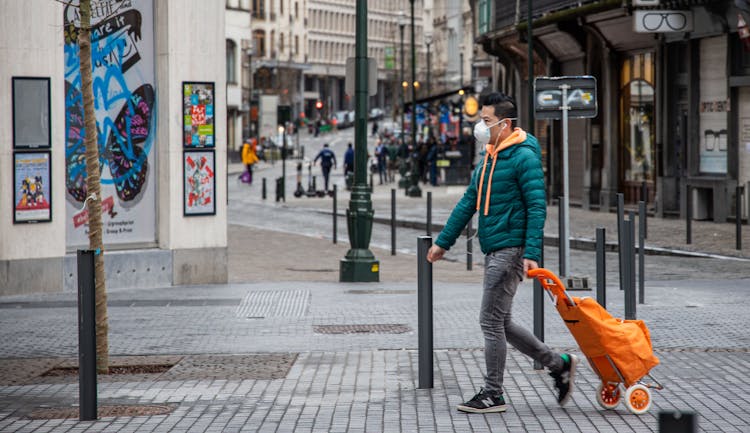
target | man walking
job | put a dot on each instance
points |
(327, 159)
(508, 192)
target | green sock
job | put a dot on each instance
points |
(565, 357)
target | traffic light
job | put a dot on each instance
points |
(319, 105)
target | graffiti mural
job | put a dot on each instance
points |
(122, 55)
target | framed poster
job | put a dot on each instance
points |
(32, 201)
(199, 182)
(31, 108)
(198, 114)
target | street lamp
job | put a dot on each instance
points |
(428, 42)
(461, 113)
(413, 190)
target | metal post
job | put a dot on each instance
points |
(469, 245)
(315, 183)
(601, 267)
(566, 193)
(689, 215)
(283, 165)
(644, 195)
(393, 222)
(620, 228)
(627, 249)
(641, 251)
(429, 213)
(372, 185)
(86, 337)
(424, 312)
(263, 193)
(738, 219)
(335, 214)
(539, 310)
(401, 26)
(561, 231)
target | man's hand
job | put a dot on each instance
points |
(435, 253)
(529, 265)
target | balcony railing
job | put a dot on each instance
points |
(506, 16)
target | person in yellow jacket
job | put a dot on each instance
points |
(249, 158)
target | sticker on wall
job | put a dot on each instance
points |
(31, 187)
(199, 183)
(198, 115)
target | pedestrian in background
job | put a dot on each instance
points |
(327, 160)
(348, 160)
(509, 194)
(249, 158)
(381, 154)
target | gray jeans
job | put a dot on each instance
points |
(502, 273)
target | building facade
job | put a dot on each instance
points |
(164, 213)
(239, 52)
(672, 97)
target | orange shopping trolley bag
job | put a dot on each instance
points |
(619, 351)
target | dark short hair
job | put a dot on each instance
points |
(504, 105)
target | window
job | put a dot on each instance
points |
(281, 42)
(296, 10)
(637, 123)
(260, 43)
(296, 44)
(281, 7)
(259, 9)
(483, 21)
(273, 44)
(231, 61)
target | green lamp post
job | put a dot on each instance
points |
(359, 264)
(413, 190)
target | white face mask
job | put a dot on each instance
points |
(482, 132)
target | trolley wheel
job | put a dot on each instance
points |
(608, 395)
(638, 399)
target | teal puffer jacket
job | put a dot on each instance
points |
(517, 208)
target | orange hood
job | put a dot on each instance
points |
(518, 136)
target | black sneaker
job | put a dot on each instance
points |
(484, 403)
(564, 378)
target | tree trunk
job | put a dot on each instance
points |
(93, 186)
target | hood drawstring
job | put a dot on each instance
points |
(518, 136)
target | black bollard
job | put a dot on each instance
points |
(469, 245)
(539, 310)
(677, 422)
(424, 312)
(689, 215)
(429, 213)
(620, 220)
(335, 215)
(315, 183)
(644, 198)
(393, 222)
(372, 185)
(641, 252)
(601, 267)
(263, 193)
(627, 248)
(86, 337)
(738, 220)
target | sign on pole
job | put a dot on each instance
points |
(580, 100)
(562, 98)
(372, 76)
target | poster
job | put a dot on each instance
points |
(714, 106)
(199, 184)
(125, 102)
(31, 187)
(31, 120)
(198, 114)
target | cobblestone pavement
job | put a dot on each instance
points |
(284, 291)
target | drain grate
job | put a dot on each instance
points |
(375, 328)
(274, 303)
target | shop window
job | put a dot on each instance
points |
(637, 123)
(231, 61)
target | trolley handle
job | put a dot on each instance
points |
(552, 284)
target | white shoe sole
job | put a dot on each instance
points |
(571, 379)
(493, 409)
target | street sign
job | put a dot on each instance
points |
(580, 100)
(372, 76)
(390, 57)
(662, 21)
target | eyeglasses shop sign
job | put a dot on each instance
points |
(662, 21)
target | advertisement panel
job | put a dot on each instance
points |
(122, 40)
